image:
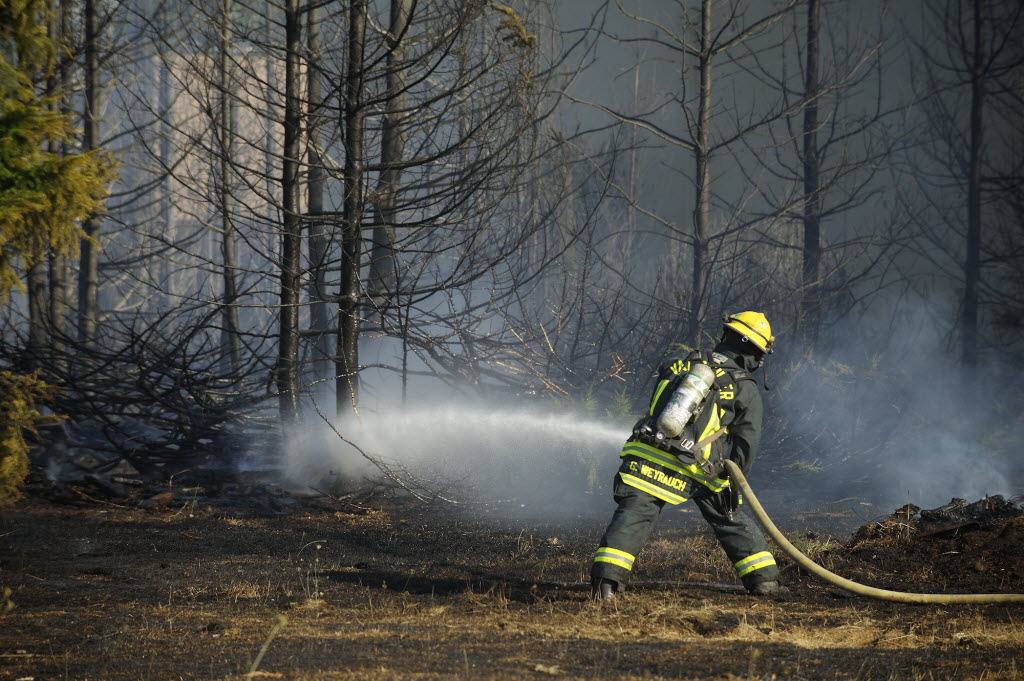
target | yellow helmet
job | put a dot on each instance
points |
(753, 327)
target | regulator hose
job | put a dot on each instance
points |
(736, 475)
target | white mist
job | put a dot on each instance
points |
(539, 461)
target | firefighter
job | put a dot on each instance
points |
(656, 470)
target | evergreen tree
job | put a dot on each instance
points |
(42, 197)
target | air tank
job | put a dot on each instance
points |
(684, 401)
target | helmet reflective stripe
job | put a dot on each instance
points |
(754, 327)
(606, 554)
(755, 562)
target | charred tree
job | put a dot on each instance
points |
(88, 273)
(291, 227)
(383, 276)
(61, 312)
(350, 293)
(319, 312)
(230, 342)
(972, 255)
(810, 293)
(968, 162)
(701, 147)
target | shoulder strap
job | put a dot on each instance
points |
(709, 439)
(734, 374)
(710, 359)
(699, 356)
(741, 375)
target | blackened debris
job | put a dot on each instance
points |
(986, 509)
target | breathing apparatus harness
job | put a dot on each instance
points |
(664, 454)
(672, 428)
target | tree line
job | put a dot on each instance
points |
(317, 199)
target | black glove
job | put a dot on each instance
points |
(645, 428)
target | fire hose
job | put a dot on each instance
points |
(736, 475)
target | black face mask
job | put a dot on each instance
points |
(754, 357)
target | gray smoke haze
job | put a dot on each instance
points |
(885, 415)
(892, 417)
(888, 419)
(525, 462)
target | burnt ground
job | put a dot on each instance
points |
(393, 590)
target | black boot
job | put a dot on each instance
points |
(768, 589)
(602, 589)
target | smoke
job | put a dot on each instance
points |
(525, 462)
(886, 416)
(897, 419)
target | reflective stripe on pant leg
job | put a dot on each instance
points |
(606, 554)
(755, 562)
(631, 525)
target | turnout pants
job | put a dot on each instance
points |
(637, 513)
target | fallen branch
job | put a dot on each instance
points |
(94, 499)
(340, 500)
(385, 468)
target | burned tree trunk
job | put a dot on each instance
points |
(291, 228)
(811, 294)
(230, 345)
(350, 293)
(383, 277)
(319, 314)
(88, 274)
(972, 258)
(702, 182)
(61, 311)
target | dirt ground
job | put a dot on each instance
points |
(395, 590)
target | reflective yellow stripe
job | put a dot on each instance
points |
(657, 394)
(616, 552)
(716, 485)
(676, 368)
(653, 490)
(767, 562)
(607, 554)
(754, 562)
(613, 561)
(653, 455)
(750, 559)
(713, 423)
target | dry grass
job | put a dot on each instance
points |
(391, 596)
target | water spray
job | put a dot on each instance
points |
(508, 456)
